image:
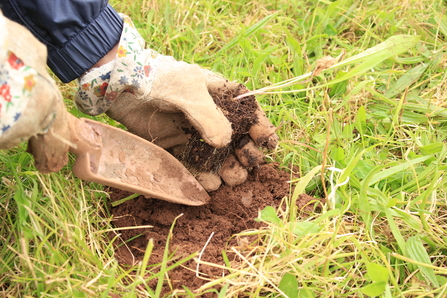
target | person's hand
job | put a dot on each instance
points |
(159, 99)
(31, 106)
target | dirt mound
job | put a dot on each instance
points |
(230, 211)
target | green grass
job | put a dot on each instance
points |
(368, 137)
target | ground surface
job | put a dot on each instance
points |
(230, 211)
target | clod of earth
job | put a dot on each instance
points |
(198, 156)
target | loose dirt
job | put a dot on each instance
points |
(230, 211)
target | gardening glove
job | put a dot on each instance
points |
(162, 100)
(31, 106)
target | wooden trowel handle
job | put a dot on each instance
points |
(83, 138)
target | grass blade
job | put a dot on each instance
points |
(396, 169)
(406, 80)
(368, 59)
(417, 252)
(247, 33)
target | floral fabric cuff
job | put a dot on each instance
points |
(16, 85)
(133, 70)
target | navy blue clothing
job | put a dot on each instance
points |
(77, 33)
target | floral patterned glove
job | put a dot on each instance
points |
(138, 76)
(29, 99)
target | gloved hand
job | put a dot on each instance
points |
(31, 106)
(159, 99)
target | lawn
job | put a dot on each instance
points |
(362, 123)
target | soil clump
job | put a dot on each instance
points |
(198, 156)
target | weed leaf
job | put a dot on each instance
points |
(417, 252)
(374, 289)
(269, 214)
(432, 148)
(360, 120)
(406, 80)
(289, 285)
(305, 228)
(377, 272)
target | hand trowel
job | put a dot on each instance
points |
(113, 157)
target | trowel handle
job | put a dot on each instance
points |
(84, 139)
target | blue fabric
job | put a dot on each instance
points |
(77, 33)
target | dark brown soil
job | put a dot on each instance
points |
(230, 211)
